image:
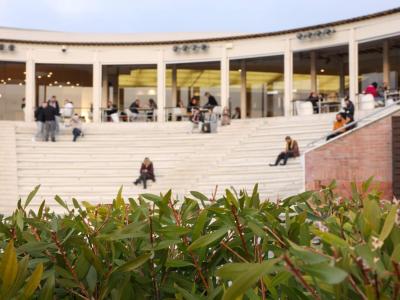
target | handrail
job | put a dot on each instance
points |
(374, 113)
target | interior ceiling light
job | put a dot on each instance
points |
(9, 79)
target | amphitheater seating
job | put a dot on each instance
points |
(110, 154)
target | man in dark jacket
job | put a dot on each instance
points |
(49, 114)
(211, 101)
(292, 150)
(39, 118)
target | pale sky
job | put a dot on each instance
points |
(135, 16)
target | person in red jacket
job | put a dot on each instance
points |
(146, 173)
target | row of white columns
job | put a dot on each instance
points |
(161, 80)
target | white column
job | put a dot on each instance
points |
(313, 71)
(341, 77)
(30, 88)
(386, 63)
(161, 87)
(353, 67)
(174, 86)
(224, 78)
(104, 89)
(288, 77)
(97, 89)
(243, 90)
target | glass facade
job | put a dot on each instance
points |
(188, 81)
(324, 72)
(257, 84)
(12, 91)
(68, 84)
(122, 85)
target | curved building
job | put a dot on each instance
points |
(264, 78)
(262, 74)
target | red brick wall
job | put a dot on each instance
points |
(354, 158)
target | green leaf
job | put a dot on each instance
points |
(231, 199)
(367, 184)
(31, 196)
(389, 222)
(305, 255)
(9, 266)
(166, 244)
(133, 264)
(175, 230)
(186, 295)
(234, 270)
(256, 229)
(61, 202)
(131, 230)
(19, 219)
(41, 208)
(176, 263)
(331, 238)
(325, 272)
(371, 212)
(33, 281)
(34, 246)
(199, 225)
(200, 197)
(248, 279)
(119, 201)
(154, 198)
(91, 278)
(208, 239)
(47, 292)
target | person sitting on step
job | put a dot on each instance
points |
(339, 125)
(146, 173)
(76, 125)
(291, 150)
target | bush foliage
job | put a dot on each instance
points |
(315, 245)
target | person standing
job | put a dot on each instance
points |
(39, 119)
(152, 107)
(54, 103)
(291, 151)
(50, 113)
(314, 99)
(146, 173)
(76, 125)
(226, 117)
(211, 103)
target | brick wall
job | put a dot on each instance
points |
(354, 158)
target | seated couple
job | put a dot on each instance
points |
(291, 151)
(208, 122)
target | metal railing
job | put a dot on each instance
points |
(354, 125)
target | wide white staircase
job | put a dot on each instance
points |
(8, 167)
(109, 156)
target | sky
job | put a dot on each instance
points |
(142, 16)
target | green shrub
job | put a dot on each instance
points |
(315, 245)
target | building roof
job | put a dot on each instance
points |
(83, 39)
